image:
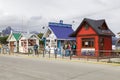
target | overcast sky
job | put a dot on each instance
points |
(34, 14)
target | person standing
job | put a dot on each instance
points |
(65, 49)
(68, 49)
(36, 49)
(0, 48)
(74, 48)
(47, 49)
(55, 51)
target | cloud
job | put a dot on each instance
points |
(103, 9)
(34, 23)
(34, 14)
(111, 16)
(36, 17)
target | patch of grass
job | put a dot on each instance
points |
(113, 62)
(117, 62)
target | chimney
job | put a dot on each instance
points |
(61, 21)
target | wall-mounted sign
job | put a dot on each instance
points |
(88, 51)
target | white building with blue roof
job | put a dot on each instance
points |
(57, 34)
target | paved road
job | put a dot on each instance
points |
(17, 68)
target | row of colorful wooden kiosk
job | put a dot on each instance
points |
(91, 37)
(22, 42)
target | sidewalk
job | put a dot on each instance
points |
(59, 58)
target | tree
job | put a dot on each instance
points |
(40, 36)
(3, 40)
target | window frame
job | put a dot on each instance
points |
(90, 42)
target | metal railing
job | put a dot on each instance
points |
(103, 55)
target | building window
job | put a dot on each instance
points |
(86, 26)
(88, 42)
(104, 27)
(31, 42)
(101, 43)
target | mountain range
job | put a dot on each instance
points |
(8, 30)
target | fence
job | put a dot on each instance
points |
(112, 56)
(4, 51)
(89, 56)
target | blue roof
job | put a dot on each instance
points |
(62, 31)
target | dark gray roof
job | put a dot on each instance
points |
(95, 24)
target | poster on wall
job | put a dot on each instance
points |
(88, 51)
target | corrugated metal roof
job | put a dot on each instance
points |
(62, 31)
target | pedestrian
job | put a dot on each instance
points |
(65, 49)
(36, 49)
(47, 49)
(55, 51)
(0, 48)
(68, 49)
(7, 49)
(74, 48)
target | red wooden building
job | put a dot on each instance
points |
(92, 37)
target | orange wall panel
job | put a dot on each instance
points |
(79, 44)
(84, 31)
(107, 45)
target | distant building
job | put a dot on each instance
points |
(114, 41)
(57, 34)
(117, 44)
(27, 41)
(13, 40)
(93, 36)
(22, 42)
